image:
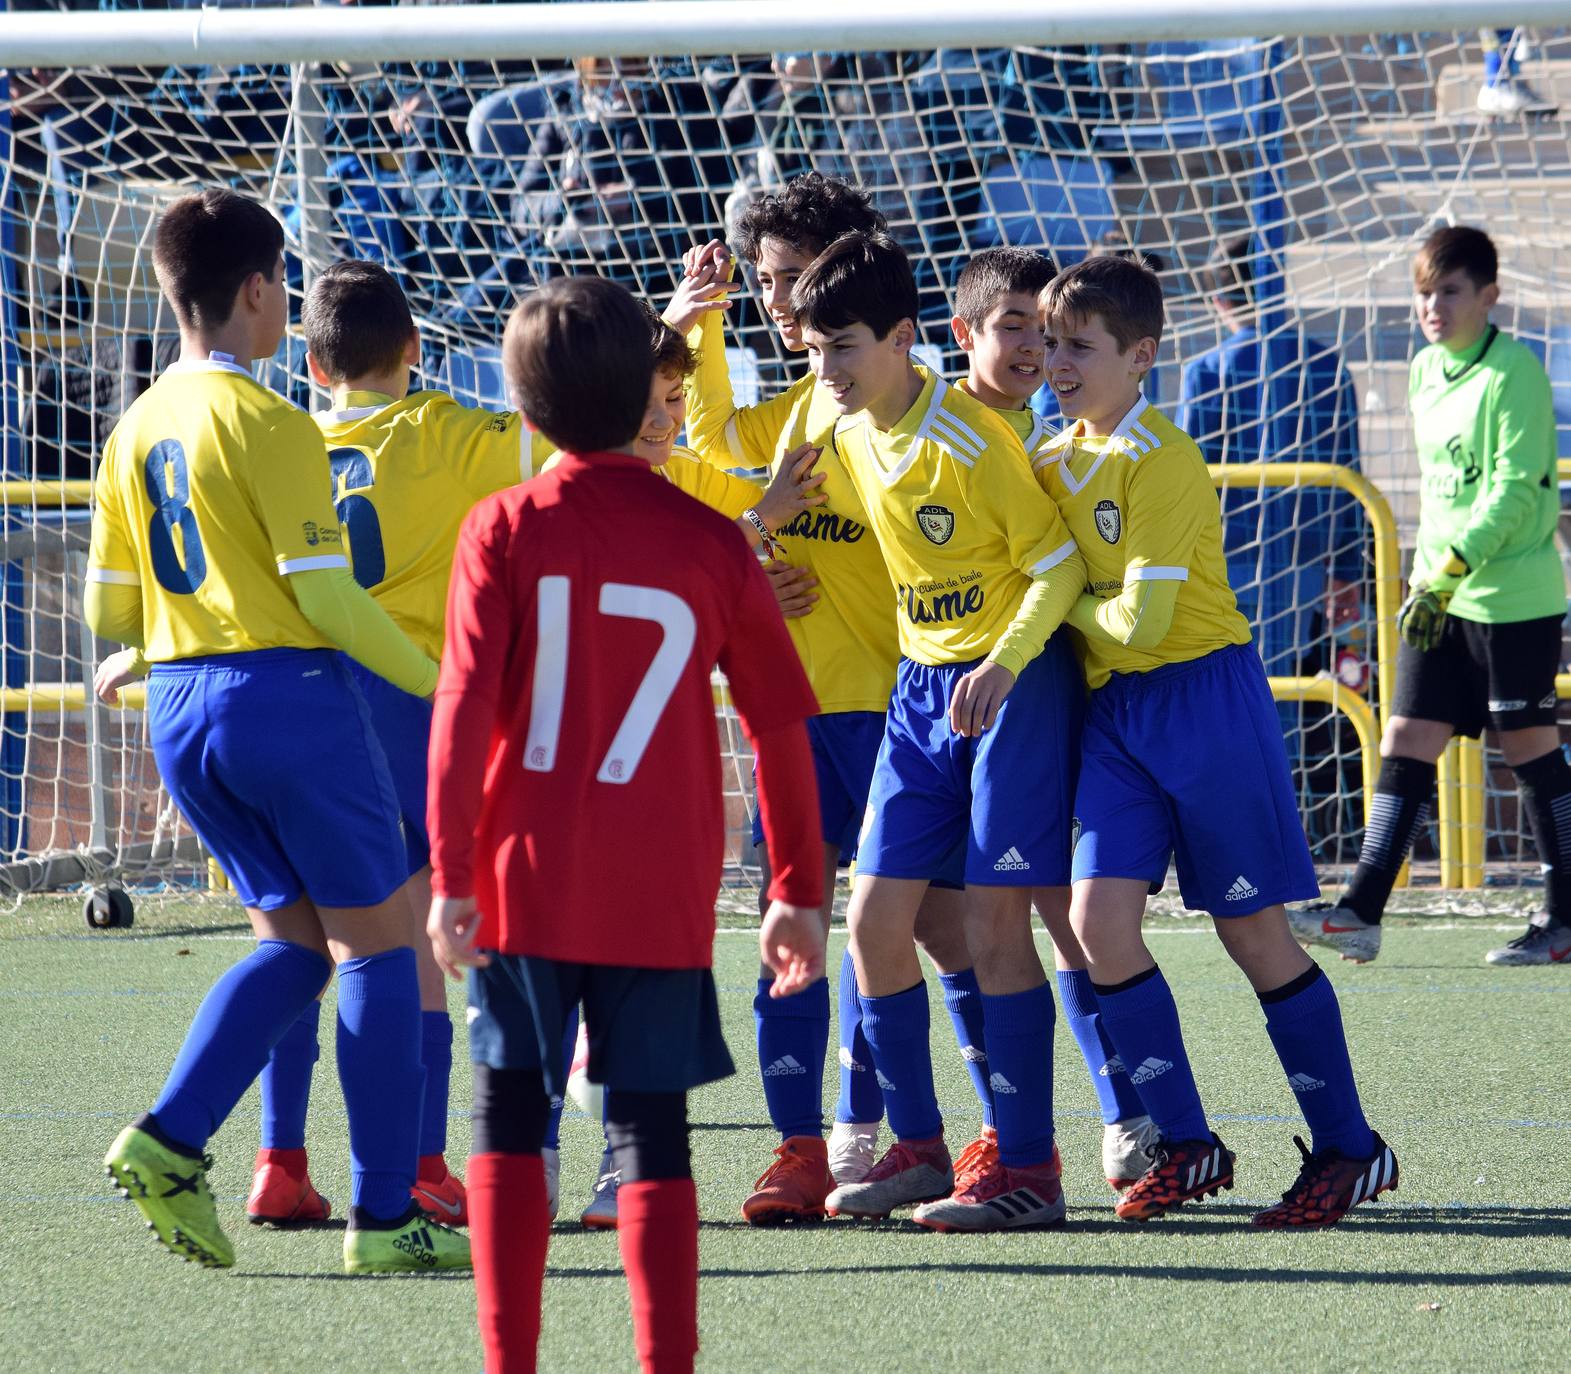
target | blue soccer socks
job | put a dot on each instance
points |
(436, 1057)
(793, 1038)
(963, 1001)
(1118, 1101)
(1020, 1073)
(380, 1069)
(286, 1082)
(897, 1030)
(1305, 1024)
(861, 1099)
(1141, 1019)
(243, 1016)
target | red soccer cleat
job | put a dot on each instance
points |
(439, 1193)
(1328, 1185)
(794, 1187)
(282, 1193)
(1180, 1172)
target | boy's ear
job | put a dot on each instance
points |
(317, 371)
(1143, 358)
(1489, 297)
(962, 332)
(903, 335)
(412, 349)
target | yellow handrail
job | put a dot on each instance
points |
(1341, 698)
(25, 492)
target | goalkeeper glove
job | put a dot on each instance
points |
(1422, 617)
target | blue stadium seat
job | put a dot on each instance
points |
(1202, 93)
(1056, 202)
(472, 375)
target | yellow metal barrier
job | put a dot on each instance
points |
(1332, 693)
(24, 493)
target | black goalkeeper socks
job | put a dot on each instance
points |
(1399, 809)
(1545, 785)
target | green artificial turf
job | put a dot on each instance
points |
(1464, 1069)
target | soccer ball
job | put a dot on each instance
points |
(588, 1097)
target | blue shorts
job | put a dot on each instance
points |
(845, 748)
(1187, 761)
(273, 761)
(403, 724)
(652, 1030)
(995, 811)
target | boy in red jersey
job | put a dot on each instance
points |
(573, 768)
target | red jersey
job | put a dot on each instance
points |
(575, 766)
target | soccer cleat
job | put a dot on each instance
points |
(279, 1197)
(915, 1172)
(978, 1158)
(1180, 1172)
(600, 1214)
(1542, 943)
(1511, 98)
(995, 1197)
(414, 1244)
(853, 1148)
(551, 1161)
(1328, 1185)
(1126, 1150)
(1336, 927)
(442, 1199)
(794, 1187)
(170, 1190)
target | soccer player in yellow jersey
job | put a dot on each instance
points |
(216, 550)
(830, 577)
(998, 324)
(1182, 754)
(975, 774)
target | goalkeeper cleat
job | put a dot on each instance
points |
(282, 1193)
(853, 1149)
(794, 1187)
(414, 1244)
(1336, 927)
(600, 1214)
(1126, 1150)
(1542, 943)
(991, 1196)
(170, 1190)
(1180, 1172)
(551, 1162)
(1328, 1185)
(910, 1171)
(442, 1198)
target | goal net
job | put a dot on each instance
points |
(1279, 184)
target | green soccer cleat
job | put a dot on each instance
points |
(171, 1191)
(412, 1245)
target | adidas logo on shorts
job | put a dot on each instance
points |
(1113, 1065)
(1152, 1068)
(999, 1084)
(1241, 889)
(1010, 862)
(784, 1067)
(849, 1061)
(1304, 1083)
(973, 1055)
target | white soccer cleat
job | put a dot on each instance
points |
(1511, 98)
(601, 1213)
(1542, 943)
(997, 1198)
(1336, 927)
(853, 1147)
(552, 1160)
(903, 1176)
(1126, 1150)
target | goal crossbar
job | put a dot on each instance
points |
(675, 27)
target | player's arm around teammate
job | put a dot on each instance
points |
(1180, 715)
(216, 548)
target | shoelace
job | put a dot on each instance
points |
(786, 1162)
(974, 1162)
(897, 1159)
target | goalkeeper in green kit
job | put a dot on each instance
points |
(1481, 624)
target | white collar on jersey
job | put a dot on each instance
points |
(1129, 436)
(344, 417)
(214, 362)
(947, 430)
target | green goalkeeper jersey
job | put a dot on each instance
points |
(1485, 427)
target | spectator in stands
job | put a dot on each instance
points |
(1504, 92)
(1293, 553)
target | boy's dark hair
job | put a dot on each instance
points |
(1457, 247)
(858, 279)
(810, 213)
(206, 247)
(1230, 271)
(576, 356)
(1125, 293)
(671, 351)
(357, 322)
(997, 272)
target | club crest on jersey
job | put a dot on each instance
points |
(1109, 523)
(936, 522)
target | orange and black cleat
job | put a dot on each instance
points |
(1329, 1184)
(794, 1187)
(1180, 1172)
